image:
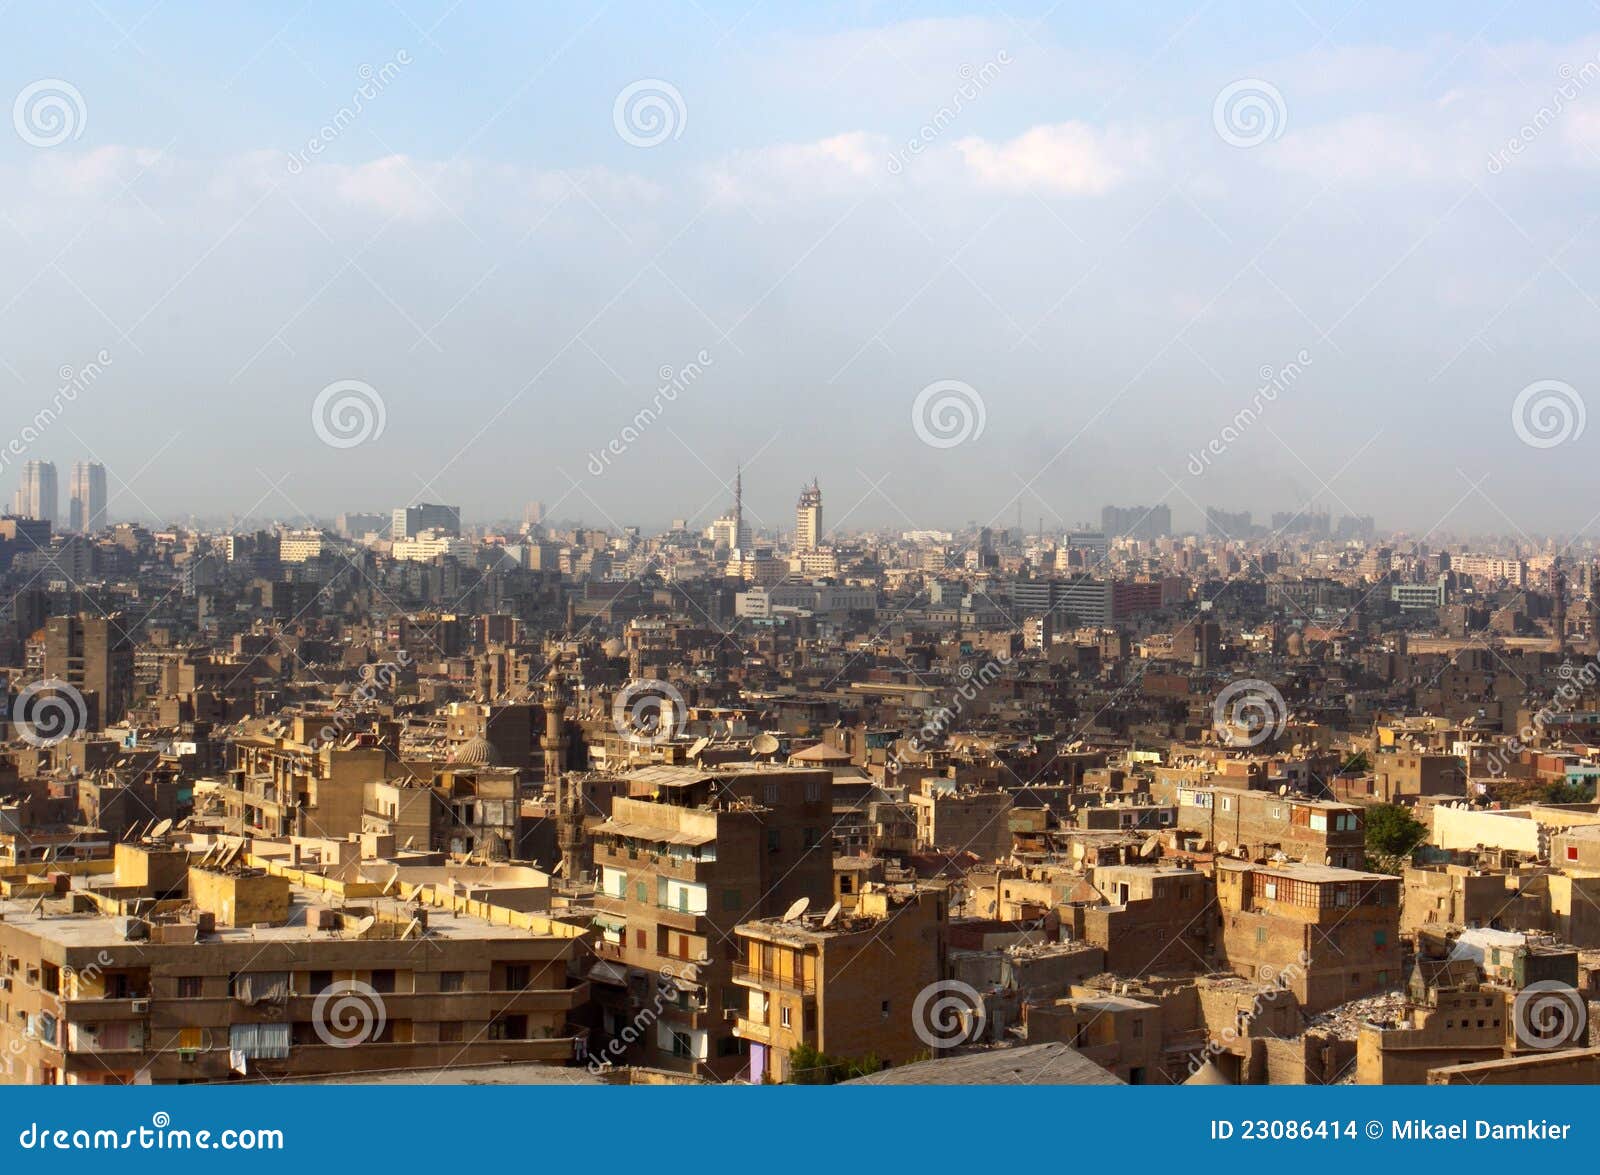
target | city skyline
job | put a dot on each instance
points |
(1364, 262)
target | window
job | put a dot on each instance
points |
(1572, 852)
(1227, 803)
(813, 791)
(450, 1031)
(774, 841)
(638, 939)
(319, 982)
(640, 892)
(190, 987)
(784, 1016)
(518, 976)
(885, 1007)
(812, 837)
(451, 981)
(383, 981)
(1138, 1030)
(1380, 937)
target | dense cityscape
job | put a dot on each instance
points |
(401, 796)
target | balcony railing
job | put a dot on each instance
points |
(760, 978)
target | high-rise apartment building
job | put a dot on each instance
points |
(808, 518)
(37, 495)
(1136, 522)
(411, 520)
(86, 509)
(716, 847)
(93, 655)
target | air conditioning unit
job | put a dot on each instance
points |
(140, 1006)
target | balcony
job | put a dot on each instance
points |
(752, 1030)
(746, 976)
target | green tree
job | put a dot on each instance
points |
(807, 1066)
(1392, 831)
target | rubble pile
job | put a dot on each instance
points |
(1346, 1020)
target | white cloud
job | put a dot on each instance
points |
(402, 187)
(842, 165)
(1068, 159)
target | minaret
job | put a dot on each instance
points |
(1559, 620)
(1593, 645)
(569, 804)
(738, 506)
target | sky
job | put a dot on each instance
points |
(958, 262)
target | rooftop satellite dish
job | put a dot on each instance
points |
(800, 906)
(1151, 847)
(699, 746)
(832, 915)
(1222, 847)
(365, 925)
(764, 744)
(161, 829)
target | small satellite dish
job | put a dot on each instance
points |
(161, 829)
(800, 906)
(365, 925)
(698, 747)
(1222, 847)
(1151, 847)
(764, 744)
(832, 915)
